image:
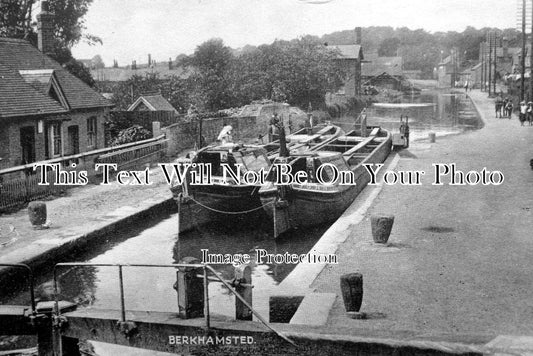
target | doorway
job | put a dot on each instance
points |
(73, 140)
(27, 143)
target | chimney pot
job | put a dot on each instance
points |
(45, 29)
(358, 35)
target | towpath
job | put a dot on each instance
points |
(459, 258)
(82, 211)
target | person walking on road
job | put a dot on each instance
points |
(498, 107)
(509, 108)
(529, 116)
(523, 113)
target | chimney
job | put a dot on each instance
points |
(358, 37)
(149, 59)
(45, 29)
(170, 63)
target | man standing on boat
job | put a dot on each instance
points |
(404, 129)
(225, 135)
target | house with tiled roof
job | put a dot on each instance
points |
(350, 57)
(45, 112)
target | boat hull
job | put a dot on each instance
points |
(221, 199)
(308, 206)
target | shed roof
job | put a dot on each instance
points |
(153, 102)
(379, 65)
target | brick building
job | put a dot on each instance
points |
(350, 58)
(45, 112)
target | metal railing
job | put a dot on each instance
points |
(206, 269)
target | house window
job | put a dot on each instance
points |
(91, 132)
(55, 132)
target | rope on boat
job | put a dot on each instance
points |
(229, 212)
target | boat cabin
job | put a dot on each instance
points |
(249, 158)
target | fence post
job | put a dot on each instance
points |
(243, 286)
(156, 128)
(190, 290)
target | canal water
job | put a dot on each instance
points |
(439, 111)
(156, 240)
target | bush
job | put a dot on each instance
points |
(131, 134)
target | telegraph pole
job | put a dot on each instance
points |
(531, 59)
(489, 37)
(494, 41)
(523, 59)
(482, 56)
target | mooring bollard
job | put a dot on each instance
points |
(37, 213)
(190, 290)
(381, 227)
(352, 294)
(243, 286)
(432, 137)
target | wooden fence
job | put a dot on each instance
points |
(15, 192)
(19, 185)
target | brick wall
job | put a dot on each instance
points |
(10, 141)
(79, 119)
(184, 135)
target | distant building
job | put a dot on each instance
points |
(350, 58)
(121, 74)
(45, 112)
(445, 72)
(384, 72)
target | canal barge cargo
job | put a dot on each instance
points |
(316, 201)
(305, 139)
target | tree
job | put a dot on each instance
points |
(209, 83)
(389, 47)
(69, 24)
(15, 18)
(172, 88)
(298, 72)
(97, 62)
(80, 70)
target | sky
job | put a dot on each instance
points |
(130, 29)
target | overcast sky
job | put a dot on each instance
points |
(130, 29)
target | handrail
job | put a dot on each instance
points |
(205, 267)
(30, 275)
(80, 155)
(128, 149)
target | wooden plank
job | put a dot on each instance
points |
(361, 144)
